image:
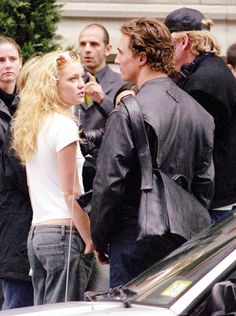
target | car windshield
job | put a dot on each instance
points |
(167, 280)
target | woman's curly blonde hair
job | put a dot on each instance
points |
(37, 85)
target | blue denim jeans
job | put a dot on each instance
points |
(48, 251)
(17, 293)
(128, 258)
(217, 215)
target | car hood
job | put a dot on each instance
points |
(88, 308)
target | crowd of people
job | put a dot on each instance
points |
(64, 131)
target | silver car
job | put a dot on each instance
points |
(198, 279)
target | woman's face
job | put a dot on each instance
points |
(71, 84)
(10, 64)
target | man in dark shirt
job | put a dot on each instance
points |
(205, 76)
(102, 84)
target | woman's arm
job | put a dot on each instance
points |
(66, 159)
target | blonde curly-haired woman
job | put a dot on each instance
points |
(46, 135)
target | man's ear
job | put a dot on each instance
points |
(185, 42)
(108, 49)
(142, 58)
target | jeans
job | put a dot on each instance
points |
(48, 251)
(217, 215)
(17, 293)
(129, 258)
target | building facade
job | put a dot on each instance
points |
(78, 13)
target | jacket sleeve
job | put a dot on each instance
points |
(203, 183)
(113, 164)
(203, 180)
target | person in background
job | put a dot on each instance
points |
(205, 76)
(15, 206)
(101, 85)
(45, 137)
(231, 58)
(172, 118)
(127, 89)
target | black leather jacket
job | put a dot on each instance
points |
(209, 81)
(15, 207)
(180, 133)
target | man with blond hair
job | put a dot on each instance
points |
(205, 76)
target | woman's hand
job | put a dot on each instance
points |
(89, 248)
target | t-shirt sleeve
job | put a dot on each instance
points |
(65, 132)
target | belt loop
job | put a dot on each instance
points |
(63, 232)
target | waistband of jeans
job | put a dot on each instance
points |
(53, 227)
(61, 230)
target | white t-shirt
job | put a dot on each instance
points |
(47, 199)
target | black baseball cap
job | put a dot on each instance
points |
(185, 19)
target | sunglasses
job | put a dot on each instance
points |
(66, 57)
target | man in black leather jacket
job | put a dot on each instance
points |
(205, 76)
(180, 134)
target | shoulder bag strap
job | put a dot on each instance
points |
(140, 140)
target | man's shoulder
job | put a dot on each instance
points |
(113, 74)
(212, 67)
(111, 82)
(167, 98)
(112, 71)
(211, 77)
